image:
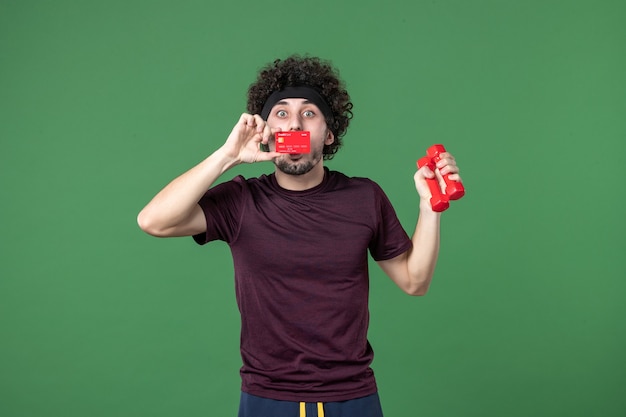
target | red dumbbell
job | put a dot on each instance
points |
(438, 201)
(454, 189)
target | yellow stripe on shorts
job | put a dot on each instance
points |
(320, 409)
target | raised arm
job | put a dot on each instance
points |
(174, 211)
(413, 270)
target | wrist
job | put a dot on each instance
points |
(224, 160)
(426, 210)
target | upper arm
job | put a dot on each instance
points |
(397, 269)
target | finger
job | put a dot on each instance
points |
(447, 166)
(445, 158)
(455, 177)
(422, 177)
(268, 138)
(426, 172)
(445, 161)
(245, 118)
(259, 123)
(449, 169)
(446, 155)
(440, 181)
(266, 156)
(268, 133)
(248, 120)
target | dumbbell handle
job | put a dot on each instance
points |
(438, 201)
(454, 189)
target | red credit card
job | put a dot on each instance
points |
(293, 142)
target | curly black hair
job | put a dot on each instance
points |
(312, 72)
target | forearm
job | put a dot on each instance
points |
(175, 203)
(422, 258)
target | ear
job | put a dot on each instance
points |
(330, 137)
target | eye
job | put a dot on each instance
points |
(308, 113)
(281, 113)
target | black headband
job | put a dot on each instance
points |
(301, 91)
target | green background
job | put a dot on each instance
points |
(102, 103)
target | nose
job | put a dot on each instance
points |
(295, 122)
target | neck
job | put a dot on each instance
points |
(303, 182)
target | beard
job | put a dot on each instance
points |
(298, 167)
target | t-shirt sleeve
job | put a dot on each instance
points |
(222, 206)
(389, 239)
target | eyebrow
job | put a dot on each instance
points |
(283, 102)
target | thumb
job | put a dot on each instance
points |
(425, 172)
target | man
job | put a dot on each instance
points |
(300, 239)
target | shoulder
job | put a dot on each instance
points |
(356, 184)
(242, 183)
(339, 178)
(234, 191)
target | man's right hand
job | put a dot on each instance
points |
(243, 143)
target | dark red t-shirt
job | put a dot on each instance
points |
(301, 279)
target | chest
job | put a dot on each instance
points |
(311, 234)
